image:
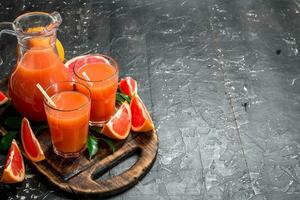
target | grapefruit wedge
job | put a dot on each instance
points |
(141, 119)
(14, 169)
(118, 127)
(128, 86)
(31, 145)
(3, 98)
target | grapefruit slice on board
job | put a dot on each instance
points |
(118, 127)
(31, 145)
(14, 169)
(81, 60)
(3, 98)
(128, 86)
(141, 119)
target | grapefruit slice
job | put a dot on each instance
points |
(3, 98)
(81, 60)
(118, 127)
(14, 169)
(141, 119)
(128, 86)
(31, 145)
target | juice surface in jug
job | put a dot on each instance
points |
(37, 62)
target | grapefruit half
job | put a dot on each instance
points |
(31, 145)
(14, 169)
(141, 119)
(118, 127)
(81, 60)
(128, 86)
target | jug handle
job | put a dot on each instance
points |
(8, 28)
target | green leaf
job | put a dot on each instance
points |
(109, 143)
(104, 139)
(92, 146)
(126, 97)
(119, 98)
(13, 122)
(122, 97)
(5, 141)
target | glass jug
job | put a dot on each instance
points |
(37, 61)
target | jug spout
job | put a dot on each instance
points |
(57, 18)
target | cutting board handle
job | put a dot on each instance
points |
(146, 148)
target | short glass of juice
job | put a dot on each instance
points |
(100, 74)
(68, 120)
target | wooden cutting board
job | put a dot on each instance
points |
(82, 176)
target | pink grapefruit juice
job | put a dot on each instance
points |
(102, 80)
(69, 121)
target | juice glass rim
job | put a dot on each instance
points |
(67, 110)
(114, 64)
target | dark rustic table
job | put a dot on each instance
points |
(221, 79)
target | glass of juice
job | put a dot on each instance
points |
(68, 120)
(100, 74)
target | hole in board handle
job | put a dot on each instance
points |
(117, 166)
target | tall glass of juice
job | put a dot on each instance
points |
(68, 118)
(100, 74)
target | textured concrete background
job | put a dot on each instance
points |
(221, 79)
